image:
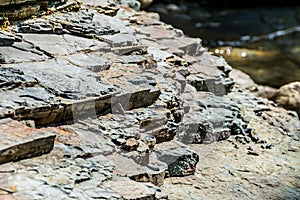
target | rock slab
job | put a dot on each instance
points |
(19, 142)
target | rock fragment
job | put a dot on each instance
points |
(21, 142)
(180, 159)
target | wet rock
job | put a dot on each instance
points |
(279, 18)
(288, 96)
(21, 142)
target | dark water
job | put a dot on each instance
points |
(263, 41)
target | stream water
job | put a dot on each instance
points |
(263, 41)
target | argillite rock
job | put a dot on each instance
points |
(20, 142)
(99, 101)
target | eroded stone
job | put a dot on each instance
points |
(180, 159)
(21, 142)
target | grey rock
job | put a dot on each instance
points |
(125, 165)
(120, 40)
(7, 39)
(214, 78)
(190, 46)
(69, 84)
(20, 52)
(134, 4)
(59, 44)
(88, 61)
(100, 3)
(11, 78)
(133, 59)
(150, 141)
(180, 159)
(158, 54)
(38, 27)
(197, 132)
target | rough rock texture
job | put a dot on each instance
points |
(139, 111)
(20, 142)
(9, 2)
(288, 96)
(237, 32)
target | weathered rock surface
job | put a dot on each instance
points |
(180, 159)
(257, 38)
(288, 96)
(7, 39)
(139, 110)
(9, 2)
(19, 142)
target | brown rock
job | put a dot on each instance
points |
(9, 2)
(242, 79)
(265, 91)
(19, 141)
(129, 189)
(131, 144)
(288, 96)
(153, 172)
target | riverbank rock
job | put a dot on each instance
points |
(257, 39)
(105, 102)
(288, 96)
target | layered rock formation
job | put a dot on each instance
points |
(123, 106)
(261, 40)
